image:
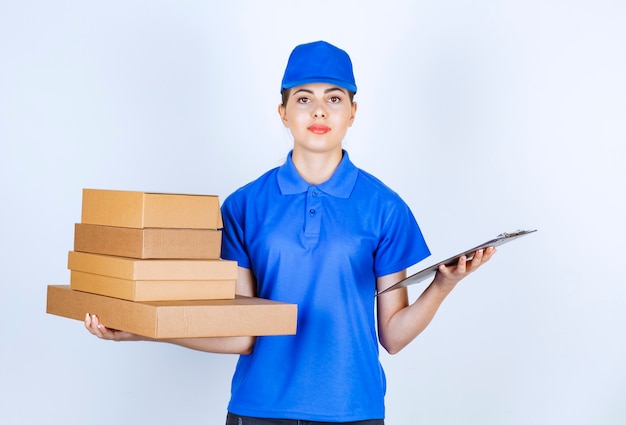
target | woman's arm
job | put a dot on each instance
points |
(400, 322)
(230, 345)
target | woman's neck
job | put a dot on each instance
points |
(316, 167)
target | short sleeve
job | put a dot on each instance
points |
(233, 242)
(402, 243)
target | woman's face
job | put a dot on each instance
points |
(318, 116)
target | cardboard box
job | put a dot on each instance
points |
(142, 210)
(134, 269)
(177, 319)
(148, 243)
(152, 290)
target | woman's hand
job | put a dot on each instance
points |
(96, 328)
(448, 277)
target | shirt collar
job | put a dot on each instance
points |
(340, 184)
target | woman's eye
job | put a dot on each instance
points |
(303, 100)
(335, 99)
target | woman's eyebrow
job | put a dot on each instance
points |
(335, 88)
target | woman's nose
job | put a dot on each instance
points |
(319, 111)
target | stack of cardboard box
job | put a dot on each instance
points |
(149, 263)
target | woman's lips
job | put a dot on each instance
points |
(318, 129)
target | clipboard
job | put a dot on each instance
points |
(429, 271)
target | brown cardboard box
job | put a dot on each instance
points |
(133, 269)
(148, 243)
(152, 290)
(141, 210)
(177, 319)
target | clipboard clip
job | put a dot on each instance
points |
(512, 234)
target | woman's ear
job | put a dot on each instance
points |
(353, 113)
(282, 111)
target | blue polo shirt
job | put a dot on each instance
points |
(321, 247)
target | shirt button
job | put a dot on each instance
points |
(314, 193)
(312, 211)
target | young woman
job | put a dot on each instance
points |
(321, 233)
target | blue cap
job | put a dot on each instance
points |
(318, 62)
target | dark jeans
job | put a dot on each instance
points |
(233, 419)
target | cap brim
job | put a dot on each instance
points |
(314, 80)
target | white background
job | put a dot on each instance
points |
(486, 116)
